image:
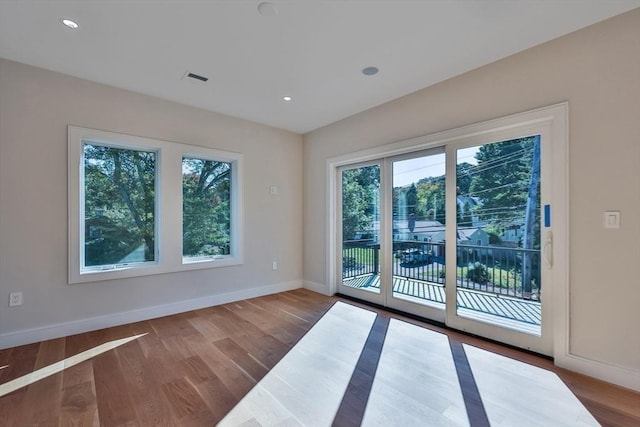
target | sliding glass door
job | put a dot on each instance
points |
(359, 210)
(500, 278)
(392, 230)
(453, 234)
(418, 218)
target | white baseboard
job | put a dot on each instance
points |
(614, 374)
(28, 336)
(623, 377)
(316, 287)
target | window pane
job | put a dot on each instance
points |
(119, 205)
(206, 207)
(419, 225)
(361, 228)
(498, 229)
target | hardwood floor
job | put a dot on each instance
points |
(193, 368)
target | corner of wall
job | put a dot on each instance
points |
(629, 378)
(317, 287)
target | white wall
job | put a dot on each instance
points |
(597, 70)
(35, 108)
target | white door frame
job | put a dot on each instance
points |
(380, 297)
(551, 123)
(542, 344)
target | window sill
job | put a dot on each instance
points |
(130, 271)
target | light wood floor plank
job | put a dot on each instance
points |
(10, 408)
(176, 375)
(48, 391)
(517, 393)
(237, 381)
(79, 406)
(19, 361)
(307, 386)
(112, 393)
(416, 381)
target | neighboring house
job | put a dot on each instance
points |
(434, 232)
(468, 204)
(424, 231)
(473, 236)
(513, 233)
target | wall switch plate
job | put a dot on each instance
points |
(274, 265)
(612, 219)
(15, 299)
(274, 190)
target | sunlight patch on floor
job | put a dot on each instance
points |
(416, 381)
(307, 385)
(516, 393)
(60, 366)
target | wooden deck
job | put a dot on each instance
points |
(506, 311)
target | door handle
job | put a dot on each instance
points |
(547, 249)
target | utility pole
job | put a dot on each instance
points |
(530, 217)
(435, 207)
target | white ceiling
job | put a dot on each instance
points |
(311, 50)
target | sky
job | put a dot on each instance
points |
(409, 171)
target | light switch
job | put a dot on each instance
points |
(612, 219)
(273, 190)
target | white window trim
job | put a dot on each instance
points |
(168, 235)
(81, 205)
(206, 154)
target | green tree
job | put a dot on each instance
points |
(501, 180)
(507, 182)
(119, 206)
(411, 199)
(206, 207)
(430, 193)
(360, 190)
(463, 177)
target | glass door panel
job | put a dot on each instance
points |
(418, 230)
(360, 232)
(498, 273)
(461, 232)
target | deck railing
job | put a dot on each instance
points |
(499, 270)
(360, 257)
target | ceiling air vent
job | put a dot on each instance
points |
(194, 77)
(197, 77)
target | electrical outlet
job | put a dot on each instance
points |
(612, 219)
(274, 265)
(15, 299)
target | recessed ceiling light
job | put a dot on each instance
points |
(267, 9)
(70, 24)
(287, 98)
(370, 71)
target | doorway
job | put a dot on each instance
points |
(458, 233)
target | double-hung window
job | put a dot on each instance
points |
(140, 206)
